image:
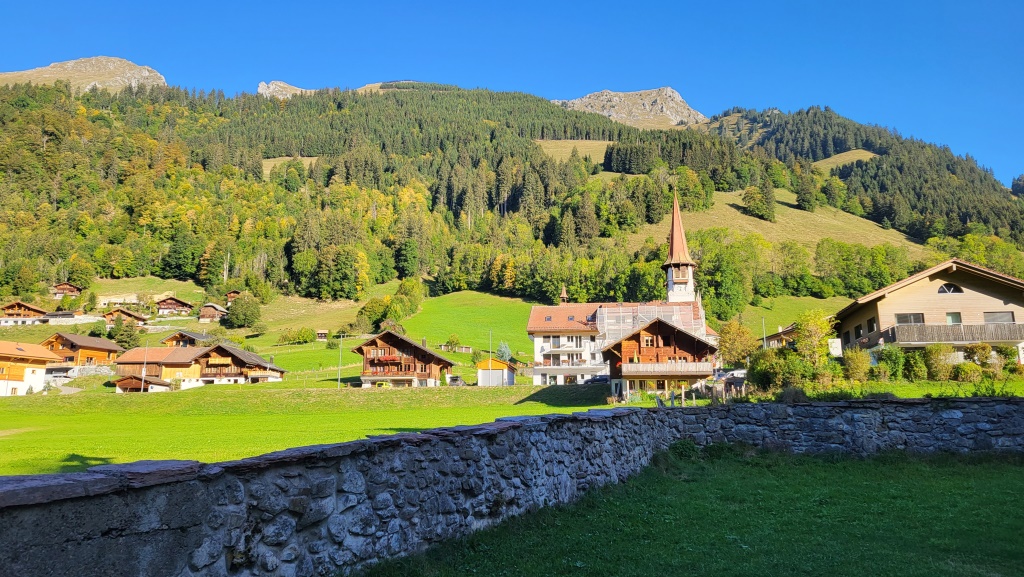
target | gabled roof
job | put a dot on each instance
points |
(245, 356)
(26, 351)
(98, 343)
(570, 316)
(127, 313)
(216, 307)
(149, 381)
(161, 355)
(234, 292)
(25, 305)
(952, 265)
(664, 322)
(403, 338)
(176, 299)
(76, 287)
(494, 365)
(678, 252)
(194, 336)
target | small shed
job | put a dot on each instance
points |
(211, 312)
(495, 373)
(322, 334)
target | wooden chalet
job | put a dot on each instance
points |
(134, 384)
(23, 368)
(659, 357)
(169, 306)
(81, 350)
(185, 339)
(20, 313)
(192, 367)
(126, 316)
(211, 312)
(65, 289)
(230, 296)
(781, 339)
(390, 359)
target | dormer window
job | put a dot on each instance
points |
(950, 289)
(572, 318)
(547, 319)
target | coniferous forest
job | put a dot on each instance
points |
(448, 183)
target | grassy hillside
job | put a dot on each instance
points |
(150, 285)
(781, 311)
(806, 228)
(560, 150)
(843, 158)
(59, 433)
(270, 163)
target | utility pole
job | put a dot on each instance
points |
(341, 348)
(764, 335)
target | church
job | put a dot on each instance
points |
(656, 346)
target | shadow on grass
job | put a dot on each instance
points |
(570, 395)
(346, 381)
(393, 430)
(73, 462)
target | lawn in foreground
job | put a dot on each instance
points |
(63, 433)
(759, 515)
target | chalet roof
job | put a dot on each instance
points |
(494, 365)
(233, 292)
(545, 318)
(245, 356)
(175, 299)
(126, 313)
(97, 343)
(24, 305)
(670, 325)
(26, 351)
(149, 381)
(216, 307)
(951, 265)
(783, 331)
(189, 334)
(358, 349)
(678, 252)
(161, 355)
(67, 284)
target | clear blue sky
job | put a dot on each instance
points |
(950, 72)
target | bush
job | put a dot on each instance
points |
(893, 358)
(879, 372)
(1007, 356)
(790, 395)
(856, 364)
(332, 345)
(980, 353)
(914, 369)
(685, 450)
(776, 368)
(244, 312)
(937, 361)
(967, 373)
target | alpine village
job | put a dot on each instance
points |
(418, 329)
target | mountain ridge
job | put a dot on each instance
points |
(280, 89)
(107, 72)
(657, 108)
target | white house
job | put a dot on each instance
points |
(23, 368)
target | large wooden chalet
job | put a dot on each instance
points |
(390, 359)
(191, 367)
(173, 306)
(23, 368)
(20, 313)
(659, 357)
(127, 317)
(81, 350)
(211, 312)
(65, 289)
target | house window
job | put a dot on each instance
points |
(999, 317)
(953, 319)
(858, 332)
(572, 318)
(950, 289)
(648, 341)
(593, 338)
(846, 337)
(547, 319)
(910, 318)
(872, 325)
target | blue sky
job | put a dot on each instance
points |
(946, 72)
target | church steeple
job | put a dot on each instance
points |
(679, 266)
(564, 297)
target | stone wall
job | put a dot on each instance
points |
(333, 508)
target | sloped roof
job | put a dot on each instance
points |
(194, 336)
(559, 316)
(245, 356)
(123, 381)
(74, 286)
(953, 264)
(216, 307)
(493, 364)
(88, 342)
(25, 305)
(670, 325)
(126, 313)
(26, 351)
(678, 252)
(176, 299)
(161, 355)
(403, 338)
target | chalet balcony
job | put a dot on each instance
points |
(220, 374)
(952, 334)
(263, 374)
(672, 368)
(563, 348)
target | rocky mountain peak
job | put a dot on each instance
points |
(278, 89)
(658, 108)
(114, 74)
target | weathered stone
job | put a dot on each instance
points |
(149, 473)
(363, 521)
(32, 489)
(211, 550)
(279, 529)
(352, 481)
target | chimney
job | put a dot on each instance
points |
(424, 342)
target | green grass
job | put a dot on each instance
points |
(477, 318)
(270, 163)
(765, 514)
(561, 150)
(150, 285)
(791, 223)
(781, 311)
(55, 433)
(849, 157)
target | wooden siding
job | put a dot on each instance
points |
(82, 356)
(395, 358)
(11, 370)
(20, 311)
(663, 345)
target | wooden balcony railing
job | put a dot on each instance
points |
(924, 334)
(667, 369)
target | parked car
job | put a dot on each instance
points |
(736, 378)
(456, 381)
(597, 380)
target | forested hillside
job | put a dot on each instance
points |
(415, 180)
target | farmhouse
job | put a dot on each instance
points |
(230, 296)
(191, 367)
(393, 360)
(495, 373)
(211, 312)
(23, 368)
(659, 357)
(127, 317)
(65, 289)
(781, 339)
(19, 313)
(137, 384)
(569, 339)
(82, 351)
(955, 302)
(185, 339)
(173, 306)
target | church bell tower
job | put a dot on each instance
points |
(679, 267)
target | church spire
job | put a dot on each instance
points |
(564, 297)
(678, 252)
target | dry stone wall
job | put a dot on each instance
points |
(330, 509)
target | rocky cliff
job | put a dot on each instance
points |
(114, 74)
(278, 89)
(658, 108)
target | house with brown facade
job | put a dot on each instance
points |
(390, 359)
(20, 313)
(955, 302)
(190, 367)
(230, 296)
(82, 350)
(169, 306)
(23, 368)
(659, 357)
(65, 289)
(211, 313)
(127, 317)
(185, 339)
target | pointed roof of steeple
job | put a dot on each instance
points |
(678, 252)
(564, 297)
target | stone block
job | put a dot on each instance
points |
(149, 473)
